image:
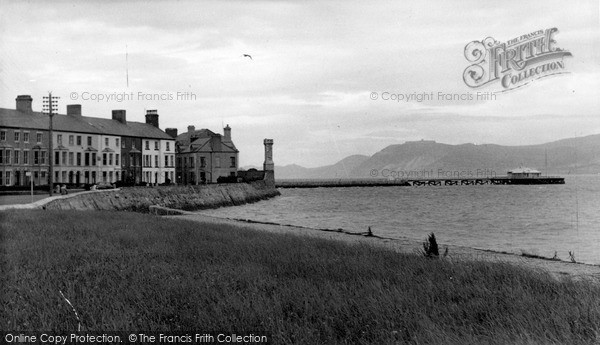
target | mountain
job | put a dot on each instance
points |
(431, 159)
(341, 169)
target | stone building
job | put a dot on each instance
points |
(203, 156)
(86, 149)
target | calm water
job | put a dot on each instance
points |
(533, 219)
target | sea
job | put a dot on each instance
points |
(545, 220)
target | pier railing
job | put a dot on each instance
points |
(373, 182)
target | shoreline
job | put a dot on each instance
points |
(558, 269)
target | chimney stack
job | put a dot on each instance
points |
(227, 132)
(120, 116)
(172, 132)
(152, 117)
(74, 109)
(190, 133)
(24, 104)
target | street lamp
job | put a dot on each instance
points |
(50, 106)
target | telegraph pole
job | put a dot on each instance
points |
(50, 106)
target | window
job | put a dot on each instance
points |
(59, 139)
(104, 159)
(93, 158)
(147, 145)
(36, 157)
(57, 158)
(8, 178)
(172, 160)
(39, 138)
(26, 137)
(17, 136)
(89, 141)
(156, 161)
(233, 162)
(1, 157)
(78, 158)
(71, 158)
(71, 142)
(117, 142)
(1, 178)
(117, 161)
(79, 140)
(156, 145)
(7, 157)
(87, 159)
(3, 135)
(168, 146)
(166, 160)
(25, 157)
(43, 157)
(106, 142)
(16, 159)
(217, 162)
(64, 159)
(191, 162)
(110, 157)
(202, 162)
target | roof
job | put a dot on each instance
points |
(201, 141)
(183, 138)
(80, 124)
(523, 171)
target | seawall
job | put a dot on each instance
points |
(139, 199)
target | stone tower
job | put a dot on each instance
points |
(269, 166)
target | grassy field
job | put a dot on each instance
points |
(127, 271)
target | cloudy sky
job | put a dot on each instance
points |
(314, 67)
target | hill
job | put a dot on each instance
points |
(341, 169)
(431, 159)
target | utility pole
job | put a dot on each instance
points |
(50, 106)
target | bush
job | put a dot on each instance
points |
(430, 247)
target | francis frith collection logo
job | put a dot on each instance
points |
(516, 62)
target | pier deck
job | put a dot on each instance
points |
(503, 180)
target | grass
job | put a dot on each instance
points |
(134, 272)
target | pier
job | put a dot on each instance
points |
(373, 182)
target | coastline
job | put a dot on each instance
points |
(558, 269)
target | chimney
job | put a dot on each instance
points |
(24, 103)
(74, 109)
(227, 132)
(120, 116)
(152, 117)
(172, 132)
(190, 133)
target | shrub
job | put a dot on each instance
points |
(430, 247)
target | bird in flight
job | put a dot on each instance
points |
(247, 55)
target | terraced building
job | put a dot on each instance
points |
(86, 150)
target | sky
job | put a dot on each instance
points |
(324, 77)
